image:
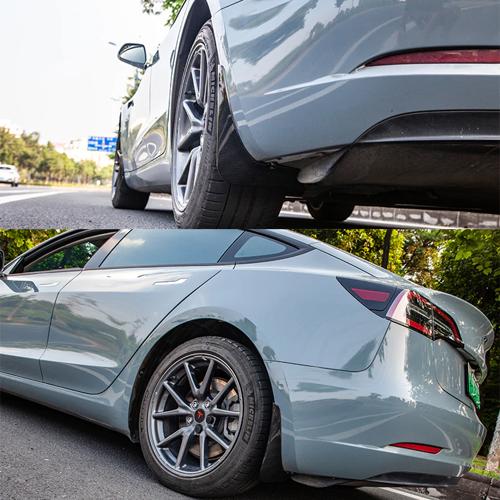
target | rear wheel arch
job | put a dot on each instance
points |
(170, 341)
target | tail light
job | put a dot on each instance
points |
(461, 56)
(413, 310)
(405, 307)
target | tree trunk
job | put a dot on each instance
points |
(494, 454)
(387, 249)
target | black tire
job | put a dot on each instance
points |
(215, 203)
(238, 470)
(325, 211)
(14, 185)
(123, 197)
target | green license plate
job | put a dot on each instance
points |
(473, 387)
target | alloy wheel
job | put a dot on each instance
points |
(191, 118)
(195, 415)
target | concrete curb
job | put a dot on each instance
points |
(471, 487)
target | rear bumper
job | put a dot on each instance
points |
(436, 159)
(340, 424)
(337, 110)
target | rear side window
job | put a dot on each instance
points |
(143, 248)
(258, 247)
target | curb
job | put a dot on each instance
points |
(470, 487)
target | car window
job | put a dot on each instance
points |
(143, 248)
(72, 257)
(260, 247)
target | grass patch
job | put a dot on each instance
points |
(479, 465)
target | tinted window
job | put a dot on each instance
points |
(72, 257)
(142, 248)
(259, 246)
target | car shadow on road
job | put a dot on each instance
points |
(110, 451)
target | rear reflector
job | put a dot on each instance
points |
(466, 56)
(371, 295)
(374, 295)
(424, 448)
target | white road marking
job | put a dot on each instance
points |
(23, 197)
(404, 493)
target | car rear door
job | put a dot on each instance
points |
(27, 298)
(103, 316)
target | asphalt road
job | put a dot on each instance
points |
(71, 208)
(45, 454)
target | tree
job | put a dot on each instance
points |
(43, 163)
(157, 6)
(16, 242)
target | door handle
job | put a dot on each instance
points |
(49, 285)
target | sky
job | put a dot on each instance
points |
(59, 75)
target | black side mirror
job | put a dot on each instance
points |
(134, 54)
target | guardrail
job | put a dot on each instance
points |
(401, 217)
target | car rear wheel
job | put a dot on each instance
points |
(14, 184)
(122, 196)
(205, 418)
(201, 197)
(326, 211)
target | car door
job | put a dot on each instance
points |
(28, 294)
(103, 316)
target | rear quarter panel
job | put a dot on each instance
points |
(294, 310)
(276, 54)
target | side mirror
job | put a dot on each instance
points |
(134, 54)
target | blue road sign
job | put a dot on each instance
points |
(104, 144)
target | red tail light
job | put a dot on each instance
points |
(406, 307)
(424, 448)
(413, 310)
(467, 56)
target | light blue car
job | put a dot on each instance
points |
(330, 102)
(234, 356)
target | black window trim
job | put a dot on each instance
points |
(293, 248)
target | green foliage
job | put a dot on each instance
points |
(42, 163)
(157, 6)
(16, 242)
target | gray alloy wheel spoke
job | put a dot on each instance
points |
(222, 393)
(218, 439)
(203, 451)
(181, 457)
(184, 172)
(202, 87)
(172, 437)
(207, 379)
(219, 412)
(192, 383)
(190, 138)
(191, 110)
(193, 171)
(182, 404)
(195, 79)
(179, 412)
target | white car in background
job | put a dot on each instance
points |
(9, 175)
